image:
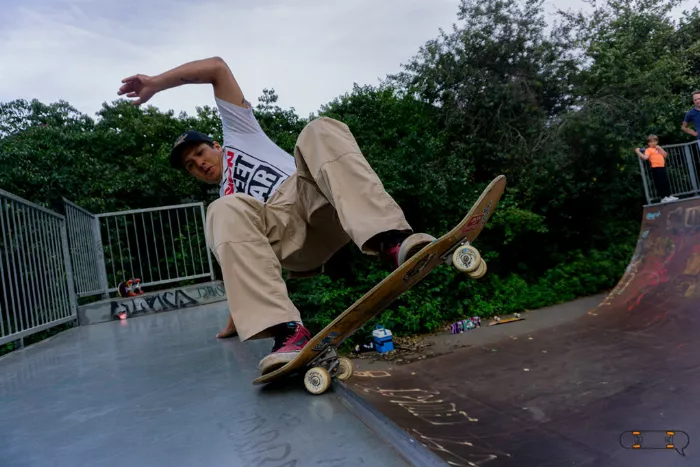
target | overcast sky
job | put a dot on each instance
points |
(309, 51)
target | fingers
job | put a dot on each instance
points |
(130, 84)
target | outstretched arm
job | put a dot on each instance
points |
(212, 71)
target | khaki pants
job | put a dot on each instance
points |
(334, 197)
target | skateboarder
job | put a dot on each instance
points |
(277, 211)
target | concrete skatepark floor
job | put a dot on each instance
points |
(160, 390)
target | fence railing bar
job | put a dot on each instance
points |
(162, 231)
(155, 246)
(89, 274)
(74, 243)
(138, 251)
(9, 257)
(46, 267)
(204, 232)
(29, 303)
(21, 334)
(169, 281)
(24, 202)
(146, 241)
(33, 266)
(121, 254)
(128, 247)
(111, 251)
(39, 279)
(189, 241)
(180, 235)
(199, 242)
(55, 230)
(53, 298)
(75, 206)
(172, 240)
(159, 208)
(7, 246)
(69, 282)
(5, 310)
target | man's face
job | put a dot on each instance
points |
(204, 162)
(696, 101)
(652, 143)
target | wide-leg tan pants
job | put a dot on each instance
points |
(334, 197)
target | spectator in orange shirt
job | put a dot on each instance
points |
(656, 156)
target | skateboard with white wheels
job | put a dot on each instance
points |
(319, 358)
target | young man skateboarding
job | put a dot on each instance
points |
(277, 211)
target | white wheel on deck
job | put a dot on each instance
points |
(479, 272)
(345, 368)
(466, 258)
(317, 380)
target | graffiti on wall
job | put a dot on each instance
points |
(165, 301)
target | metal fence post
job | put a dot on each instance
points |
(204, 225)
(100, 258)
(643, 173)
(69, 269)
(691, 168)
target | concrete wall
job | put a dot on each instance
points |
(151, 302)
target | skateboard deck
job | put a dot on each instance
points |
(320, 352)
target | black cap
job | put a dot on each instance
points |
(182, 142)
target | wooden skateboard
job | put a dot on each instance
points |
(320, 358)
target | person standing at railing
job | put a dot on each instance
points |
(656, 155)
(276, 210)
(693, 116)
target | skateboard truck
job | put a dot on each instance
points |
(326, 366)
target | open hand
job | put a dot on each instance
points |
(142, 87)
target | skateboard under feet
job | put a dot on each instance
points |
(320, 359)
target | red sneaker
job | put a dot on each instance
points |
(290, 338)
(399, 253)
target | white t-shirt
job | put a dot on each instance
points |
(253, 163)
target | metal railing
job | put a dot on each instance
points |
(86, 251)
(36, 278)
(683, 168)
(157, 245)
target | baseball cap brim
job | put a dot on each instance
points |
(184, 141)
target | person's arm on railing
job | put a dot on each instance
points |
(641, 154)
(212, 71)
(688, 130)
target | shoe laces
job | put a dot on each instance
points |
(284, 337)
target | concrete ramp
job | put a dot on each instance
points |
(660, 290)
(603, 389)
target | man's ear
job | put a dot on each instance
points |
(217, 146)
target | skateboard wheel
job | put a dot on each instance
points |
(345, 368)
(317, 380)
(466, 258)
(479, 272)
